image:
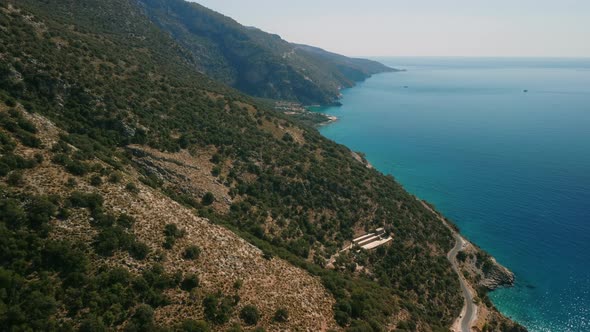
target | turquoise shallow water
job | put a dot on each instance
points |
(511, 168)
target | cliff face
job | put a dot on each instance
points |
(497, 276)
(483, 269)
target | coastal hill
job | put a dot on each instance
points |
(139, 194)
(255, 62)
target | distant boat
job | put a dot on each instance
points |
(405, 86)
(526, 91)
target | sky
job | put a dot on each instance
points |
(523, 28)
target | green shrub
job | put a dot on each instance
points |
(216, 171)
(86, 200)
(92, 324)
(190, 325)
(281, 315)
(4, 169)
(7, 144)
(96, 180)
(192, 252)
(288, 138)
(125, 221)
(16, 178)
(40, 211)
(142, 319)
(208, 199)
(217, 308)
(111, 239)
(10, 102)
(341, 317)
(115, 177)
(71, 183)
(250, 315)
(132, 188)
(76, 167)
(12, 212)
(461, 256)
(190, 282)
(173, 231)
(235, 328)
(139, 250)
(238, 284)
(29, 139)
(169, 242)
(39, 158)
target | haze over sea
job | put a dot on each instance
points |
(510, 168)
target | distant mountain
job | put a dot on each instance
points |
(253, 61)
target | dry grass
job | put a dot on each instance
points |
(225, 258)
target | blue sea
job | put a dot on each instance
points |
(510, 167)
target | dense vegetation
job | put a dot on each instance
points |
(256, 62)
(49, 284)
(109, 77)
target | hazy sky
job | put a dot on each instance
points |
(423, 27)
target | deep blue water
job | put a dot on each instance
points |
(511, 168)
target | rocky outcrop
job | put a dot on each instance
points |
(497, 276)
(483, 270)
(182, 172)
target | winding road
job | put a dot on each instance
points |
(469, 313)
(469, 308)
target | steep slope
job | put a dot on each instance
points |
(256, 62)
(118, 157)
(223, 261)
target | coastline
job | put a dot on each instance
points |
(478, 312)
(303, 114)
(476, 281)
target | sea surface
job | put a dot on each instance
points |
(510, 167)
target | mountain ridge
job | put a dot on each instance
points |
(256, 62)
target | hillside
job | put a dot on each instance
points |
(137, 194)
(256, 62)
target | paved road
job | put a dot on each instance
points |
(471, 310)
(470, 307)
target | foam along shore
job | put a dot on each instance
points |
(330, 119)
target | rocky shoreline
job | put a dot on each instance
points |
(498, 276)
(483, 269)
(482, 274)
